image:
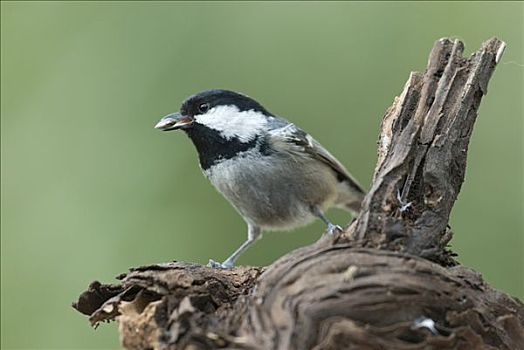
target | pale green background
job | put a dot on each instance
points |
(89, 188)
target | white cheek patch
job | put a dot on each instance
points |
(231, 122)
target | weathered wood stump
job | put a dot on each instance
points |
(387, 282)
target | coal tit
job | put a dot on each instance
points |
(274, 174)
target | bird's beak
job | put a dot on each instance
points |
(173, 121)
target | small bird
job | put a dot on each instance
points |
(273, 173)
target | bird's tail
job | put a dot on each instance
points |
(354, 207)
(350, 197)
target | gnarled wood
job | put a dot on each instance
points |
(387, 282)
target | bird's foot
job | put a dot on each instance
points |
(403, 205)
(214, 264)
(332, 229)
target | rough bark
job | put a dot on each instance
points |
(387, 282)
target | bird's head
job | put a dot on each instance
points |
(230, 114)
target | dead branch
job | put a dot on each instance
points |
(387, 282)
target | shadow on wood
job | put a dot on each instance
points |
(387, 282)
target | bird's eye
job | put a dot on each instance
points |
(203, 107)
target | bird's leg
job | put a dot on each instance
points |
(253, 233)
(331, 229)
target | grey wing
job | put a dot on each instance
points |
(294, 139)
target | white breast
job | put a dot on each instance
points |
(233, 176)
(274, 192)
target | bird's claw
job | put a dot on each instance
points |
(214, 264)
(332, 229)
(403, 205)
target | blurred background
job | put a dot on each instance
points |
(89, 188)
